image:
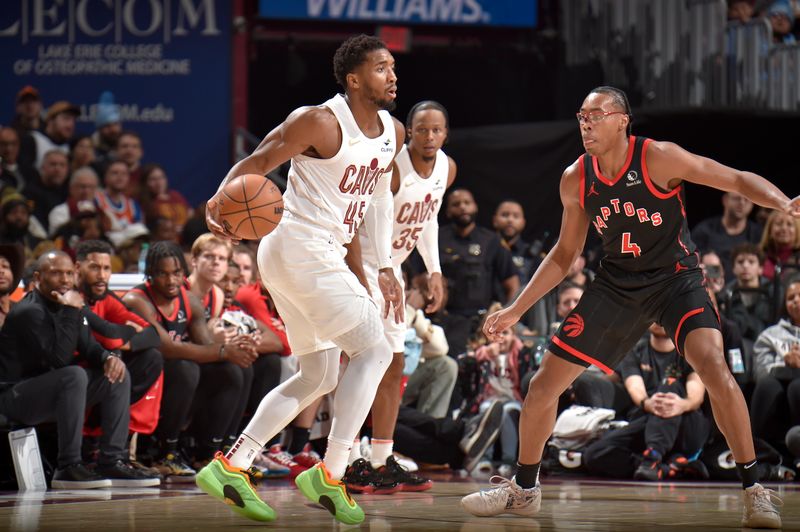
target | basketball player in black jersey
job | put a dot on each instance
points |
(630, 190)
(198, 372)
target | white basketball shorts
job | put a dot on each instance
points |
(316, 294)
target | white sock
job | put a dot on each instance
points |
(336, 457)
(355, 452)
(381, 450)
(244, 451)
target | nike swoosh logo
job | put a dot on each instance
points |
(148, 397)
(748, 466)
(409, 183)
(353, 142)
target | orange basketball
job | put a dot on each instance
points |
(250, 206)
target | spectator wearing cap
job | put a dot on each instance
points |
(15, 216)
(50, 188)
(83, 187)
(129, 246)
(108, 127)
(12, 261)
(28, 111)
(59, 127)
(13, 176)
(781, 16)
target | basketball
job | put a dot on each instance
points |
(250, 206)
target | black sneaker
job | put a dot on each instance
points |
(407, 480)
(123, 475)
(78, 477)
(175, 468)
(651, 467)
(480, 432)
(360, 477)
(681, 467)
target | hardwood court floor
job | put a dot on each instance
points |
(568, 505)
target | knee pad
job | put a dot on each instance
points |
(366, 334)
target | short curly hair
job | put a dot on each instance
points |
(352, 53)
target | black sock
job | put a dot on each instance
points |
(527, 475)
(299, 439)
(748, 473)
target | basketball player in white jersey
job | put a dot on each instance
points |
(422, 172)
(341, 158)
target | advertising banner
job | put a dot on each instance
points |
(518, 13)
(166, 62)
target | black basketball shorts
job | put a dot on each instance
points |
(615, 312)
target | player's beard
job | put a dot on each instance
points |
(387, 105)
(382, 103)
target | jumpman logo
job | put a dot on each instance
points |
(592, 191)
(680, 267)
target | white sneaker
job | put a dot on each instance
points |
(409, 464)
(483, 469)
(506, 497)
(761, 508)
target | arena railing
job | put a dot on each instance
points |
(784, 85)
(671, 53)
(747, 53)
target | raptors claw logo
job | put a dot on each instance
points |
(573, 325)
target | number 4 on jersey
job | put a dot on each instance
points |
(630, 247)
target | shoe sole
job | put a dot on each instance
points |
(765, 522)
(80, 485)
(226, 493)
(471, 458)
(134, 483)
(416, 487)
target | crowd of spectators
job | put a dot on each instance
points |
(180, 361)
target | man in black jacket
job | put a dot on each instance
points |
(42, 343)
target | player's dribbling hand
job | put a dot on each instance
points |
(498, 322)
(392, 294)
(212, 221)
(435, 293)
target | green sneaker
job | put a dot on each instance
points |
(316, 484)
(232, 486)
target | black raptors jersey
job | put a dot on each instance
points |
(643, 227)
(176, 325)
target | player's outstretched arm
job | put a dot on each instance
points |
(668, 163)
(555, 266)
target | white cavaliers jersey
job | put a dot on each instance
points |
(416, 205)
(334, 194)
